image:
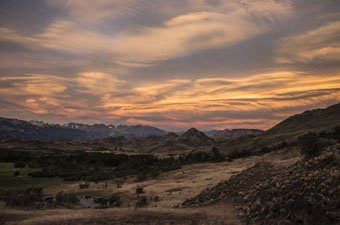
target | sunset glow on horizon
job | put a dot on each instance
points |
(209, 64)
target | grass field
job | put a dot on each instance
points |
(8, 181)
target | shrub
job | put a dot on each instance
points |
(3, 218)
(337, 133)
(238, 154)
(139, 190)
(66, 198)
(115, 201)
(309, 145)
(19, 164)
(16, 173)
(154, 173)
(84, 185)
(264, 150)
(142, 201)
(23, 198)
(102, 201)
(142, 176)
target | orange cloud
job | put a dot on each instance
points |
(259, 100)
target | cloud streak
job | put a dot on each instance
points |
(321, 45)
(259, 100)
(173, 64)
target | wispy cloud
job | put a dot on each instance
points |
(258, 100)
(321, 45)
(174, 64)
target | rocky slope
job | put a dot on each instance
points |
(306, 193)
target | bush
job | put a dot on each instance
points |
(139, 190)
(16, 173)
(309, 145)
(142, 176)
(115, 201)
(19, 164)
(84, 185)
(142, 201)
(23, 198)
(66, 198)
(102, 201)
(238, 154)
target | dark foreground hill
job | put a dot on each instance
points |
(316, 120)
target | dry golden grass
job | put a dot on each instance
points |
(215, 215)
(172, 188)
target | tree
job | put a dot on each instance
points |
(309, 145)
(217, 156)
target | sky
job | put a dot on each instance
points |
(173, 64)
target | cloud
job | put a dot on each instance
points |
(32, 85)
(197, 29)
(185, 34)
(259, 100)
(223, 102)
(98, 83)
(321, 45)
(90, 11)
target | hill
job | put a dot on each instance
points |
(288, 130)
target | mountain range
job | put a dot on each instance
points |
(14, 129)
(152, 139)
(39, 130)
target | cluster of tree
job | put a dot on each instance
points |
(22, 198)
(95, 166)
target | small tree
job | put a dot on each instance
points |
(309, 145)
(217, 156)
